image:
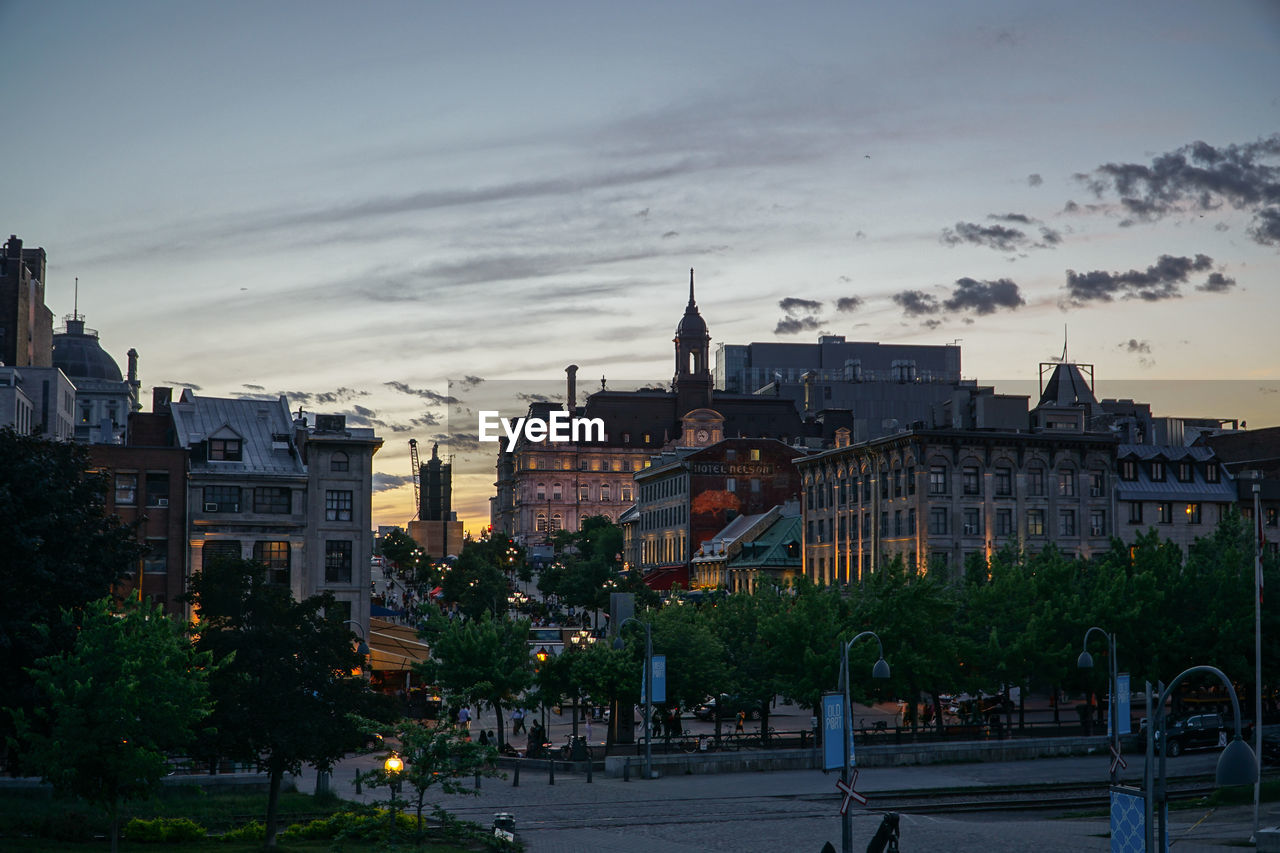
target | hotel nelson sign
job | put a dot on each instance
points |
(735, 469)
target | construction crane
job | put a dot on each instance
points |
(413, 458)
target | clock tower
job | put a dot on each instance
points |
(693, 380)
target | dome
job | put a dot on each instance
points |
(691, 324)
(79, 355)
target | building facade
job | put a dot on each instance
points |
(1182, 492)
(26, 324)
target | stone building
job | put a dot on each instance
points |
(1182, 492)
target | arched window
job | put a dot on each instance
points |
(557, 522)
(339, 461)
(541, 524)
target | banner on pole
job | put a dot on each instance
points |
(1123, 712)
(833, 716)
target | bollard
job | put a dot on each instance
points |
(515, 783)
(477, 780)
(626, 770)
(551, 771)
(357, 783)
(588, 769)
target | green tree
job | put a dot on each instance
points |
(284, 693)
(60, 551)
(737, 621)
(129, 693)
(436, 755)
(400, 548)
(481, 661)
(802, 640)
(609, 676)
(477, 581)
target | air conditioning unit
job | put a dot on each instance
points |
(208, 507)
(162, 501)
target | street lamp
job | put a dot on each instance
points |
(879, 670)
(648, 687)
(1236, 766)
(1085, 661)
(393, 766)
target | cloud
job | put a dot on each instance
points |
(323, 398)
(1161, 280)
(1136, 346)
(388, 482)
(253, 387)
(1002, 238)
(466, 383)
(1217, 283)
(178, 383)
(1266, 226)
(424, 393)
(1198, 177)
(795, 325)
(667, 235)
(846, 304)
(916, 303)
(1034, 180)
(794, 305)
(984, 297)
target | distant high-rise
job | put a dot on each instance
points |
(437, 488)
(26, 325)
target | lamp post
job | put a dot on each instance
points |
(1085, 661)
(648, 687)
(1236, 766)
(879, 670)
(578, 640)
(393, 765)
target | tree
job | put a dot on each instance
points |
(737, 621)
(400, 548)
(285, 694)
(802, 641)
(60, 551)
(477, 580)
(606, 675)
(436, 755)
(484, 660)
(113, 707)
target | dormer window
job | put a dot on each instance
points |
(225, 449)
(1157, 471)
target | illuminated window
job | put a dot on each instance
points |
(337, 505)
(275, 556)
(1035, 522)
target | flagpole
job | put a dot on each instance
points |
(1257, 640)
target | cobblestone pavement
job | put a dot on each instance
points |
(799, 810)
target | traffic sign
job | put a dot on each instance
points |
(849, 793)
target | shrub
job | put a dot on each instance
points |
(163, 830)
(254, 830)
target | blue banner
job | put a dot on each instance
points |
(833, 723)
(659, 679)
(1122, 702)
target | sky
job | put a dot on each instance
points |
(363, 205)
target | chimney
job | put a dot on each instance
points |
(572, 372)
(161, 398)
(133, 366)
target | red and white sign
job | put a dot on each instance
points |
(849, 793)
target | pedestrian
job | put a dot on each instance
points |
(742, 718)
(484, 738)
(517, 721)
(464, 718)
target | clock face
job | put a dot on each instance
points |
(702, 435)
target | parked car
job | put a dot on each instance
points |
(1201, 731)
(726, 708)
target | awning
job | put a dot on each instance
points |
(394, 648)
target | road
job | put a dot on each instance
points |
(799, 810)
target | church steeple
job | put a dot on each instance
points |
(693, 366)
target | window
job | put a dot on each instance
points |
(339, 461)
(626, 492)
(755, 484)
(1004, 482)
(730, 455)
(1066, 522)
(731, 485)
(937, 479)
(911, 479)
(897, 482)
(224, 449)
(1186, 472)
(337, 505)
(557, 522)
(1272, 516)
(540, 491)
(1035, 482)
(866, 524)
(866, 489)
(1135, 512)
(972, 484)
(584, 492)
(897, 522)
(126, 489)
(972, 522)
(911, 522)
(938, 521)
(1211, 473)
(1157, 470)
(884, 523)
(1194, 513)
(541, 522)
(1097, 522)
(156, 560)
(157, 488)
(275, 556)
(606, 492)
(1128, 469)
(1067, 483)
(1164, 512)
(1097, 483)
(884, 485)
(221, 498)
(754, 455)
(226, 549)
(1035, 522)
(276, 500)
(337, 561)
(1004, 522)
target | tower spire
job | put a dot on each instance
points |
(692, 304)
